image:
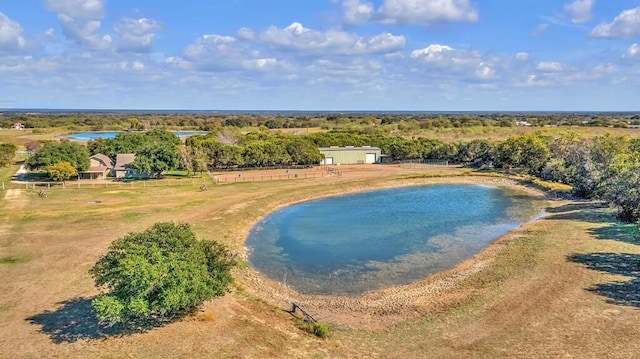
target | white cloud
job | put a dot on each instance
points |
(445, 56)
(135, 35)
(426, 12)
(80, 9)
(540, 29)
(625, 25)
(11, 37)
(632, 52)
(535, 81)
(485, 72)
(357, 12)
(223, 53)
(296, 37)
(549, 66)
(137, 65)
(431, 53)
(450, 65)
(261, 64)
(604, 69)
(246, 33)
(579, 11)
(522, 56)
(81, 21)
(409, 12)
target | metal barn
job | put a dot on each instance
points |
(350, 155)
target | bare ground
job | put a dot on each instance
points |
(564, 286)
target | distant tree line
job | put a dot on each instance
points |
(347, 121)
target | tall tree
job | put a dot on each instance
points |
(7, 153)
(64, 151)
(155, 158)
(160, 273)
(620, 186)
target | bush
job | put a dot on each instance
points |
(319, 329)
(159, 274)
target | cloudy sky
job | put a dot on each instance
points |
(431, 55)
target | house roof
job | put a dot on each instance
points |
(103, 158)
(124, 160)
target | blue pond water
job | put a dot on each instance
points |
(355, 243)
(86, 136)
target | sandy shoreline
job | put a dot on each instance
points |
(388, 306)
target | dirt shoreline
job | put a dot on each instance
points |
(386, 307)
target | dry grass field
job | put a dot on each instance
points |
(565, 286)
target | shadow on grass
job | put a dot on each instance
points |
(578, 206)
(626, 264)
(593, 212)
(621, 232)
(76, 320)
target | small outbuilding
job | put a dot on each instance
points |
(350, 155)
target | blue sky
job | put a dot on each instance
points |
(430, 55)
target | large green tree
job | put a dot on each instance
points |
(303, 152)
(159, 273)
(155, 158)
(7, 153)
(55, 152)
(527, 152)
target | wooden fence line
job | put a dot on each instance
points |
(241, 177)
(259, 178)
(115, 184)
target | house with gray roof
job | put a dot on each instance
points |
(123, 167)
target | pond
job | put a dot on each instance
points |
(92, 135)
(360, 242)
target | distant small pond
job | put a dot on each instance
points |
(92, 135)
(360, 242)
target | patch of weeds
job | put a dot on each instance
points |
(241, 264)
(12, 260)
(205, 316)
(132, 216)
(319, 329)
(28, 218)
